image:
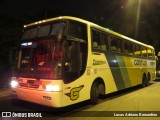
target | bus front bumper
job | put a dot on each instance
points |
(51, 99)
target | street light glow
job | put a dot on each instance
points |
(134, 11)
(138, 17)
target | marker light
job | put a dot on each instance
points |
(29, 43)
(26, 44)
(14, 83)
(50, 88)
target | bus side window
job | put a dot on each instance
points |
(149, 51)
(96, 40)
(95, 45)
(119, 46)
(126, 48)
(113, 45)
(144, 51)
(130, 48)
(137, 50)
(104, 42)
(153, 54)
(76, 29)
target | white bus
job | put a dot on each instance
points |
(67, 60)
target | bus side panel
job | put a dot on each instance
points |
(116, 72)
(103, 70)
(134, 72)
(124, 71)
(78, 90)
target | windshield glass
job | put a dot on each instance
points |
(39, 59)
(39, 31)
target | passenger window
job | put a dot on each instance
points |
(96, 40)
(104, 42)
(137, 50)
(144, 51)
(126, 48)
(150, 53)
(130, 48)
(113, 45)
(75, 29)
(119, 46)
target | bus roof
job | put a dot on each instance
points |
(91, 24)
(56, 18)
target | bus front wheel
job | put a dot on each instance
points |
(94, 94)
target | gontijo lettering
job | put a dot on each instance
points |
(98, 62)
(140, 62)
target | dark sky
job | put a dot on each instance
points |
(129, 17)
(18, 7)
(31, 7)
(138, 20)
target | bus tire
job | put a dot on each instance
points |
(102, 91)
(144, 81)
(148, 79)
(94, 95)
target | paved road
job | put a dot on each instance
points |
(127, 101)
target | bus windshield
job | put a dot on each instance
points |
(41, 50)
(39, 59)
(56, 28)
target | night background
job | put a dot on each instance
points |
(138, 19)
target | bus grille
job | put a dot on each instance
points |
(33, 86)
(28, 85)
(23, 84)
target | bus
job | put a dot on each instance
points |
(67, 60)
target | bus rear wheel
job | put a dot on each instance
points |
(148, 79)
(94, 96)
(145, 81)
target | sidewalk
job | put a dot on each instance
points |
(5, 89)
(5, 92)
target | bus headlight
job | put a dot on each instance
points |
(50, 88)
(14, 83)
